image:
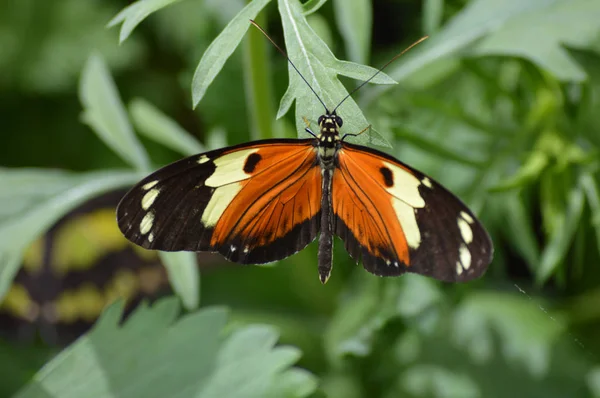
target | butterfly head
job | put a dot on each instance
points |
(329, 128)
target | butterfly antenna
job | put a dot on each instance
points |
(291, 63)
(376, 73)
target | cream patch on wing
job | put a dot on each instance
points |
(230, 168)
(226, 179)
(405, 199)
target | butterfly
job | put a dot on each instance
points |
(265, 200)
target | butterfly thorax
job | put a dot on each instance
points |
(329, 137)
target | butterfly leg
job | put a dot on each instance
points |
(326, 236)
(368, 128)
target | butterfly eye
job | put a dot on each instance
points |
(321, 119)
(339, 121)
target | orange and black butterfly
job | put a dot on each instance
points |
(263, 201)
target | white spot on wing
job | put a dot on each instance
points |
(150, 237)
(203, 159)
(230, 168)
(459, 268)
(246, 249)
(427, 182)
(465, 230)
(149, 185)
(465, 256)
(146, 223)
(149, 198)
(233, 248)
(467, 217)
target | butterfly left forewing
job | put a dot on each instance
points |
(398, 220)
(254, 203)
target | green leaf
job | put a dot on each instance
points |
(519, 229)
(508, 28)
(31, 201)
(312, 6)
(590, 188)
(593, 381)
(154, 124)
(104, 112)
(530, 171)
(320, 68)
(527, 332)
(154, 354)
(433, 12)
(562, 236)
(435, 381)
(355, 325)
(354, 19)
(135, 13)
(182, 268)
(222, 47)
(540, 33)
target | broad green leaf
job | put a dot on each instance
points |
(154, 354)
(354, 326)
(133, 14)
(31, 201)
(104, 112)
(534, 29)
(435, 381)
(593, 381)
(222, 47)
(562, 236)
(320, 68)
(154, 124)
(519, 228)
(527, 332)
(354, 19)
(540, 35)
(182, 268)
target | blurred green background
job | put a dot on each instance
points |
(501, 105)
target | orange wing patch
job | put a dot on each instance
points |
(279, 201)
(374, 200)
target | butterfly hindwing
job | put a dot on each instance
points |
(254, 203)
(398, 220)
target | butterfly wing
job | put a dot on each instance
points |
(253, 203)
(398, 220)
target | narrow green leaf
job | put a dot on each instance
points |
(531, 170)
(182, 268)
(562, 236)
(154, 354)
(133, 14)
(433, 11)
(312, 6)
(593, 198)
(154, 124)
(519, 229)
(222, 47)
(31, 201)
(320, 68)
(433, 147)
(104, 112)
(354, 19)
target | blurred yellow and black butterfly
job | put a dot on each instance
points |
(265, 200)
(70, 274)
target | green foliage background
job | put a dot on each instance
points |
(501, 104)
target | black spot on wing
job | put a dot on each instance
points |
(388, 177)
(251, 163)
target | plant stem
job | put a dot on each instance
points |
(259, 91)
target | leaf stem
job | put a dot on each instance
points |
(259, 90)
